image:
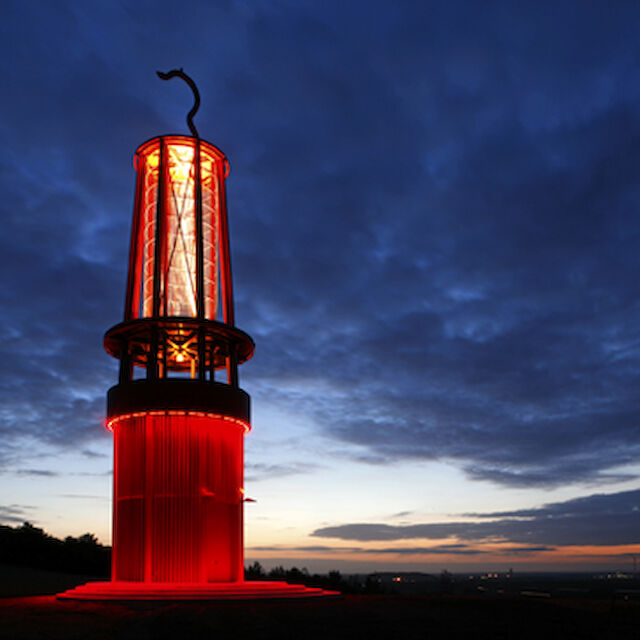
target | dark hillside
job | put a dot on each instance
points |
(29, 546)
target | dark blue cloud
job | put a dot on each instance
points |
(16, 513)
(598, 519)
(43, 473)
(460, 550)
(433, 217)
(442, 549)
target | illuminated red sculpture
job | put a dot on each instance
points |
(178, 431)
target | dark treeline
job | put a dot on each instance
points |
(334, 580)
(29, 546)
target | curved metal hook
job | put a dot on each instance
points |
(179, 73)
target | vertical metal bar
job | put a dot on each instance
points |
(164, 353)
(199, 235)
(202, 354)
(132, 302)
(158, 272)
(225, 267)
(212, 363)
(232, 366)
(227, 365)
(200, 306)
(152, 355)
(167, 214)
(125, 364)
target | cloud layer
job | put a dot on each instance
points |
(598, 519)
(434, 218)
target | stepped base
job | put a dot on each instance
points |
(258, 590)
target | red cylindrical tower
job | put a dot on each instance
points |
(178, 432)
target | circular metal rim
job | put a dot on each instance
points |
(113, 338)
(220, 155)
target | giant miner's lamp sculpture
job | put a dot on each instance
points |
(178, 430)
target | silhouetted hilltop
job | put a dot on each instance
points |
(29, 546)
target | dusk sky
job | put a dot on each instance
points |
(434, 211)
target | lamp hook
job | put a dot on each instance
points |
(179, 73)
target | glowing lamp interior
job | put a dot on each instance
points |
(171, 175)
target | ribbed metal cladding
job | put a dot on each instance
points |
(178, 498)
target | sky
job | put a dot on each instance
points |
(435, 224)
